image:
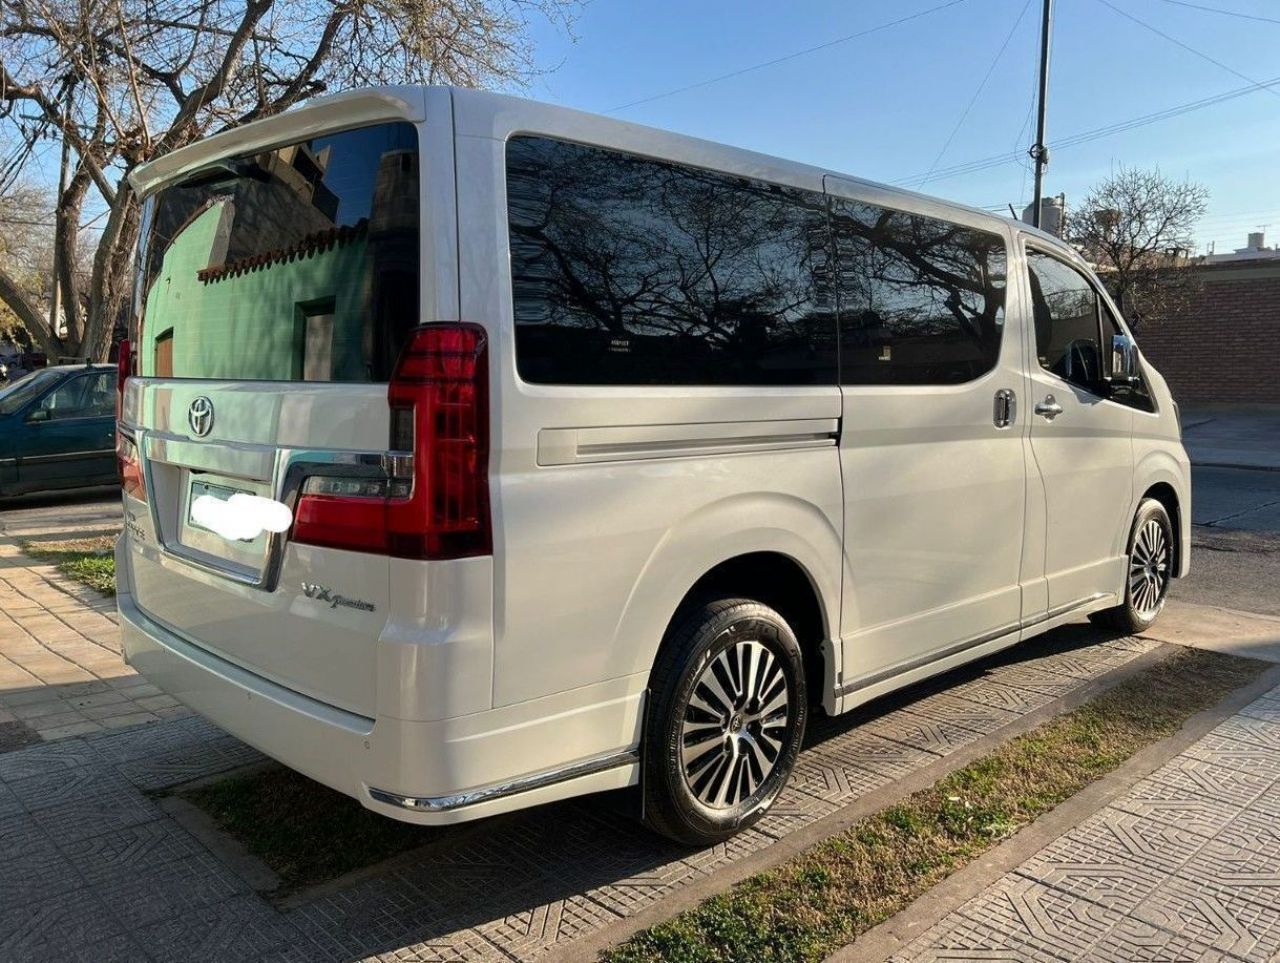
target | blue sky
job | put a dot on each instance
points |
(883, 106)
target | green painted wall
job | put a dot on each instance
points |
(250, 326)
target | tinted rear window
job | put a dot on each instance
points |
(294, 264)
(627, 270)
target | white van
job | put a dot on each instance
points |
(479, 453)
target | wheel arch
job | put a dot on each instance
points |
(793, 564)
(1162, 477)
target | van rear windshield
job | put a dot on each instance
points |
(293, 264)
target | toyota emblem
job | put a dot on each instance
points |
(200, 416)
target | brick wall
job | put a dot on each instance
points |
(1226, 348)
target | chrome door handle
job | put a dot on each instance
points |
(1049, 408)
(1006, 408)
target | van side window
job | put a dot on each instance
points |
(921, 299)
(1064, 307)
(627, 270)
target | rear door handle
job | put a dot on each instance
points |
(1049, 408)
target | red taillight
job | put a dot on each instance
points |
(439, 399)
(124, 368)
(129, 463)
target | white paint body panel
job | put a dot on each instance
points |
(929, 536)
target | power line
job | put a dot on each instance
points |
(1187, 47)
(981, 87)
(1073, 140)
(783, 59)
(1225, 13)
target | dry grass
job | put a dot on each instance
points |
(305, 832)
(825, 898)
(87, 560)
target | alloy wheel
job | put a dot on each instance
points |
(735, 725)
(1149, 568)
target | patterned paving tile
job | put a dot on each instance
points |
(121, 747)
(1113, 858)
(22, 836)
(792, 810)
(153, 871)
(242, 928)
(104, 802)
(1037, 680)
(382, 916)
(1017, 919)
(45, 759)
(1258, 732)
(987, 691)
(532, 932)
(1266, 709)
(981, 718)
(1135, 941)
(71, 925)
(866, 750)
(929, 729)
(33, 878)
(185, 765)
(1222, 750)
(828, 777)
(1223, 919)
(708, 860)
(1189, 778)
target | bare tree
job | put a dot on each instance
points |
(1138, 227)
(123, 81)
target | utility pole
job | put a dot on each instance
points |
(1039, 152)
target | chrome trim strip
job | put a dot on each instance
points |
(1064, 609)
(290, 467)
(861, 683)
(65, 456)
(550, 777)
(8, 461)
(868, 680)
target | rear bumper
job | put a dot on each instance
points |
(433, 772)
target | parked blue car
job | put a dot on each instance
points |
(58, 429)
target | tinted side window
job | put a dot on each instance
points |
(921, 300)
(1064, 308)
(633, 271)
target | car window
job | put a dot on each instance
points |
(629, 270)
(1064, 308)
(84, 396)
(1135, 395)
(17, 395)
(921, 299)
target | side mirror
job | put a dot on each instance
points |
(1124, 360)
(40, 414)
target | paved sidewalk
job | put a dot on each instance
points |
(93, 868)
(61, 669)
(1185, 866)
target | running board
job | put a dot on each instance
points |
(880, 676)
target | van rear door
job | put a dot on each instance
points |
(275, 290)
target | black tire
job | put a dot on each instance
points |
(691, 805)
(1142, 606)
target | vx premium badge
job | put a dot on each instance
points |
(200, 416)
(321, 594)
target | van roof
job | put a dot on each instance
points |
(369, 104)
